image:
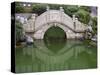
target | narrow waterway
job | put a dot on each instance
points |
(51, 55)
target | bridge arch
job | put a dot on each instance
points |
(40, 33)
(60, 19)
(37, 25)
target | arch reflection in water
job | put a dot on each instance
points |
(55, 38)
(36, 58)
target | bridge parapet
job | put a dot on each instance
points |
(38, 25)
(79, 26)
(53, 16)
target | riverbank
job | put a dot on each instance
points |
(90, 42)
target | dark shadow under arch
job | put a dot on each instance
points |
(55, 32)
(55, 38)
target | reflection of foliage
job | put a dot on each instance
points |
(83, 16)
(94, 26)
(19, 31)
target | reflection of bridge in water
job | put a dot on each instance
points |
(40, 58)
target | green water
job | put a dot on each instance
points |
(54, 55)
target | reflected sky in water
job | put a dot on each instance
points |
(53, 55)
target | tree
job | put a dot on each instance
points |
(38, 8)
(19, 8)
(94, 26)
(19, 31)
(83, 16)
(70, 10)
(81, 12)
(54, 6)
(86, 8)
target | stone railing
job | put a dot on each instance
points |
(53, 16)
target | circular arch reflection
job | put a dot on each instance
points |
(55, 38)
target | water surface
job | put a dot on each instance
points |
(52, 55)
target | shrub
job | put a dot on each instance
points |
(70, 10)
(83, 16)
(19, 8)
(94, 26)
(86, 8)
(38, 8)
(19, 31)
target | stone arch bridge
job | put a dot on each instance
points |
(36, 26)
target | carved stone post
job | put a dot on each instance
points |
(74, 24)
(33, 17)
(48, 15)
(73, 18)
(61, 9)
(47, 8)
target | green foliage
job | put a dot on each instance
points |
(70, 10)
(94, 26)
(82, 12)
(38, 8)
(18, 31)
(19, 8)
(54, 6)
(83, 16)
(86, 8)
